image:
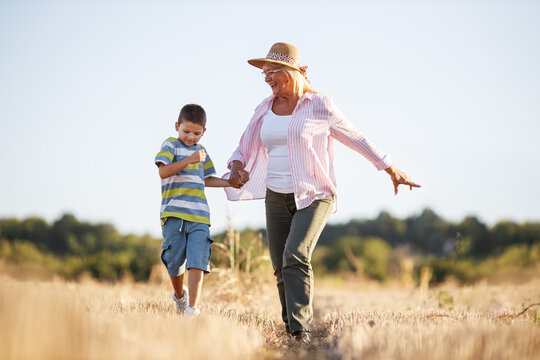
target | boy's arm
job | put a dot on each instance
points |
(212, 181)
(170, 169)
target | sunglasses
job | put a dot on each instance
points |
(270, 72)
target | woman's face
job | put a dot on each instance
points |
(279, 81)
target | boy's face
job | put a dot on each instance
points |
(189, 132)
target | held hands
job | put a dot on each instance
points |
(238, 178)
(197, 157)
(398, 177)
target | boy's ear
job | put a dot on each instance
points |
(176, 125)
(203, 131)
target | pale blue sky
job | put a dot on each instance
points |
(90, 89)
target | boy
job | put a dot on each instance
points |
(185, 169)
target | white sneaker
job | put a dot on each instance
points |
(192, 312)
(181, 303)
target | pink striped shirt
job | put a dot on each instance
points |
(315, 122)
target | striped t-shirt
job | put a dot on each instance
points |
(182, 195)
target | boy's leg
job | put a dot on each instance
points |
(198, 258)
(173, 257)
(178, 285)
(195, 281)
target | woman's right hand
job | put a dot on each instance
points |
(238, 176)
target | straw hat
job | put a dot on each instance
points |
(283, 54)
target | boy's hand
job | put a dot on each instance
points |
(197, 157)
(238, 178)
(170, 169)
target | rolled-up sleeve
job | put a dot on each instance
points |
(346, 133)
(236, 156)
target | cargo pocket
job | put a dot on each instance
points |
(165, 247)
(210, 240)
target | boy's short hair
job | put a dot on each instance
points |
(193, 113)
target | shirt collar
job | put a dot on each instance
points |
(307, 96)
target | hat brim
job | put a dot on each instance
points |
(259, 63)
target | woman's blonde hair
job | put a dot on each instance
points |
(301, 83)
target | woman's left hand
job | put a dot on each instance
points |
(400, 178)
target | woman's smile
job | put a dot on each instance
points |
(277, 80)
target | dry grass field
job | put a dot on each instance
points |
(55, 319)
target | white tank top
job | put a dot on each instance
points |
(274, 137)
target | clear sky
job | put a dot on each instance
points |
(90, 89)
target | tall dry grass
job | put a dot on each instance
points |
(89, 320)
(59, 320)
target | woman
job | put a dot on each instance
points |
(285, 155)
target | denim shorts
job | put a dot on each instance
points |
(186, 244)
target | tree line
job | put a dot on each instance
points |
(375, 248)
(430, 234)
(71, 247)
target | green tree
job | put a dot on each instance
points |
(504, 234)
(370, 256)
(428, 232)
(474, 237)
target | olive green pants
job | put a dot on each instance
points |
(292, 236)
